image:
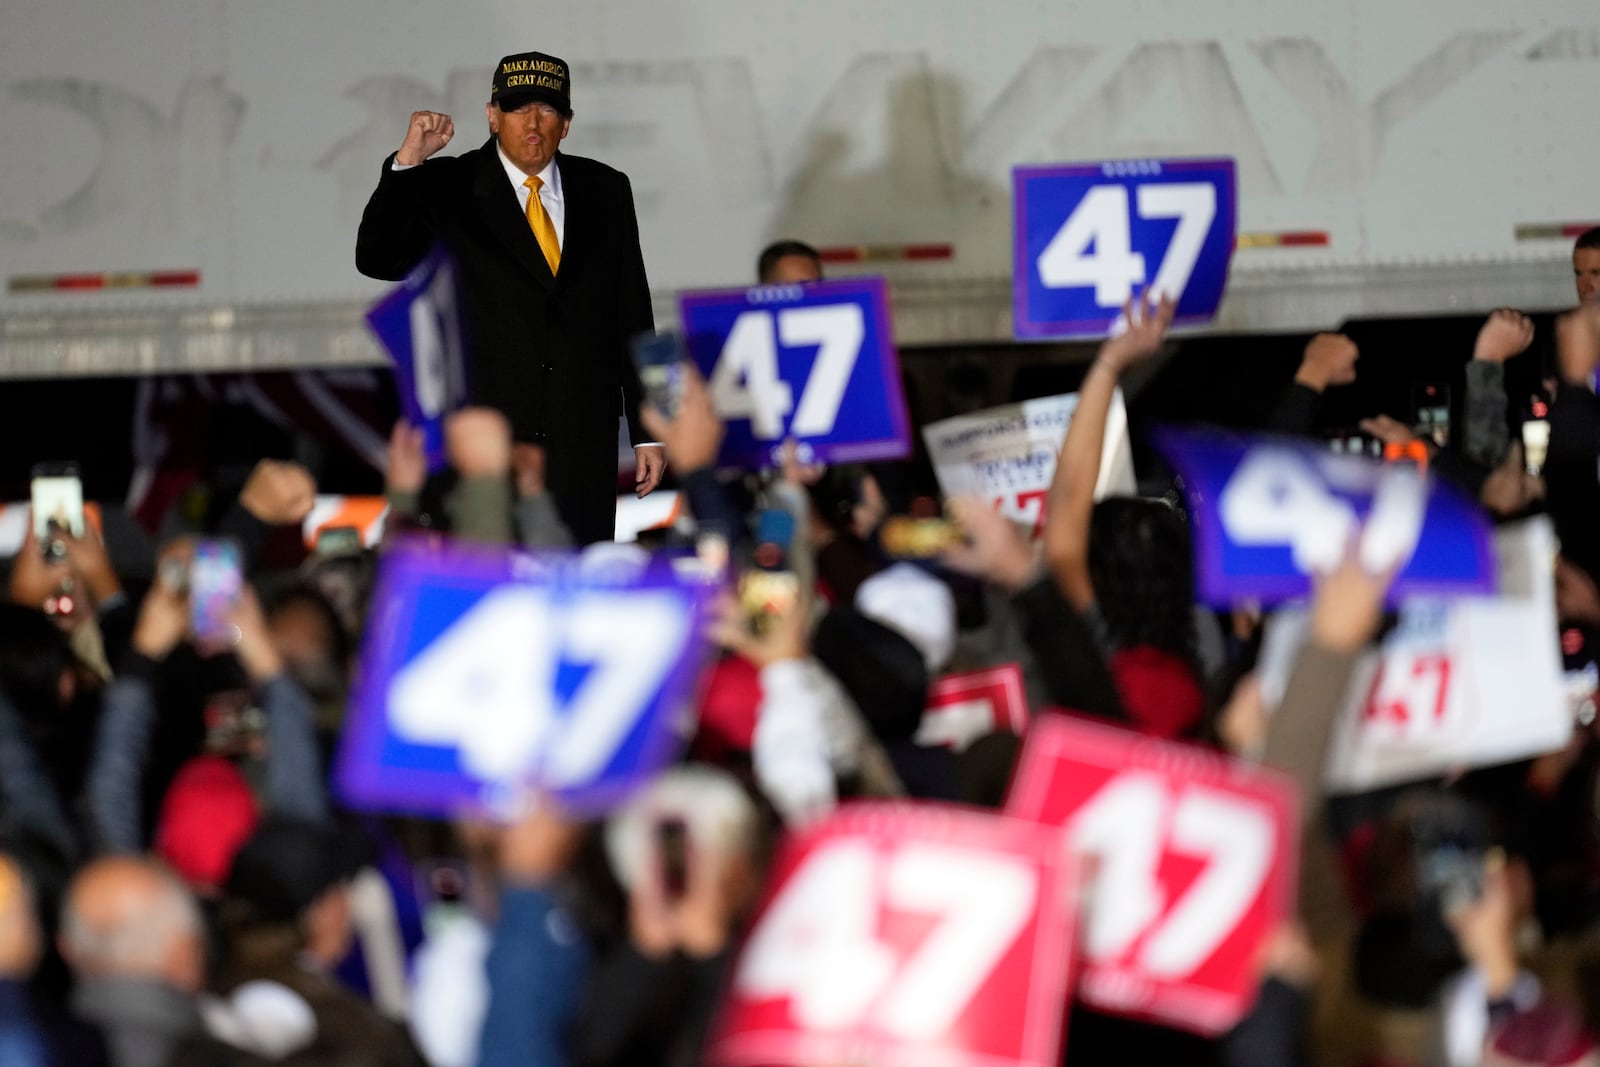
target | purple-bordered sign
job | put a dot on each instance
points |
(1088, 236)
(420, 323)
(815, 362)
(486, 673)
(1263, 510)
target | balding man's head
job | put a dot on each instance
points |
(132, 918)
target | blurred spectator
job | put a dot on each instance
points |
(788, 262)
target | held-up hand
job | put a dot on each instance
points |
(164, 615)
(785, 639)
(1390, 431)
(1144, 324)
(1505, 333)
(1330, 359)
(1577, 596)
(699, 923)
(994, 548)
(279, 493)
(428, 133)
(478, 442)
(87, 558)
(538, 846)
(1510, 489)
(1578, 343)
(693, 438)
(256, 649)
(1348, 604)
(527, 466)
(35, 579)
(650, 464)
(407, 468)
(1486, 929)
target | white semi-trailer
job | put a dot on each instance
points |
(180, 180)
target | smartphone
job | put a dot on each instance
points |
(672, 852)
(768, 588)
(215, 581)
(1535, 444)
(661, 360)
(1430, 406)
(338, 541)
(57, 496)
(1451, 847)
(1355, 443)
(909, 538)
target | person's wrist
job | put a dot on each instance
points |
(1312, 377)
(1015, 571)
(1498, 965)
(703, 940)
(151, 646)
(408, 160)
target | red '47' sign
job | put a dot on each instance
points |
(905, 935)
(1193, 857)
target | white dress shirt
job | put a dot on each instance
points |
(549, 193)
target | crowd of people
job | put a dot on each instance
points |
(178, 886)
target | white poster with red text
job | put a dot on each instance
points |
(1468, 682)
(1006, 456)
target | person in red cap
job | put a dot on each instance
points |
(552, 278)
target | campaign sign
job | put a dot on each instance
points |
(1466, 682)
(1195, 858)
(964, 707)
(486, 673)
(1089, 236)
(420, 323)
(1006, 456)
(1268, 513)
(813, 362)
(903, 935)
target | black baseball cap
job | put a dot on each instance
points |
(288, 863)
(532, 76)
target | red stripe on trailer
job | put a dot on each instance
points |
(867, 253)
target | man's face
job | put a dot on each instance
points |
(530, 135)
(795, 270)
(1586, 272)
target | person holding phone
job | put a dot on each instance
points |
(551, 274)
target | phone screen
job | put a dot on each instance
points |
(909, 538)
(215, 580)
(339, 541)
(1432, 412)
(660, 360)
(672, 846)
(57, 497)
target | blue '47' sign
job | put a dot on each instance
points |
(1268, 513)
(488, 673)
(419, 322)
(815, 362)
(1089, 236)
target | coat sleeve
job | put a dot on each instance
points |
(401, 220)
(633, 305)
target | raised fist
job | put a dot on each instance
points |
(429, 131)
(1504, 334)
(1330, 359)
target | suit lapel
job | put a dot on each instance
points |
(576, 237)
(497, 206)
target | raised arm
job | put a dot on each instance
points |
(1071, 500)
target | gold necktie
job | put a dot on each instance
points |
(544, 230)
